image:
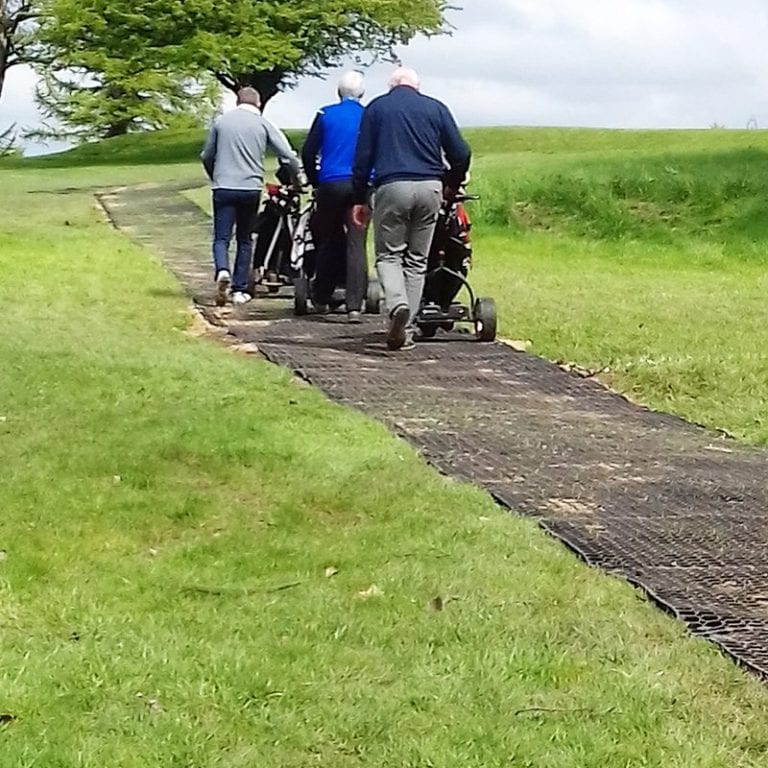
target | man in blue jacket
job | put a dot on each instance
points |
(407, 138)
(327, 158)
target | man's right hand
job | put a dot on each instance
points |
(360, 215)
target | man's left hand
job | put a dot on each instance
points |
(360, 215)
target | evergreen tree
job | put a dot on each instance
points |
(116, 98)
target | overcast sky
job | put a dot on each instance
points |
(601, 63)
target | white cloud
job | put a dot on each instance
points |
(612, 63)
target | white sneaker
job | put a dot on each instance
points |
(223, 281)
(241, 297)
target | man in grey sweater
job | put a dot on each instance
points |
(233, 157)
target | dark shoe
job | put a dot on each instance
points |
(321, 309)
(398, 321)
(354, 317)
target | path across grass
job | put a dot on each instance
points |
(673, 508)
(640, 255)
(205, 564)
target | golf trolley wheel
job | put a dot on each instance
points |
(484, 316)
(300, 295)
(373, 297)
(428, 330)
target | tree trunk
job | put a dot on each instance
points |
(118, 128)
(3, 67)
(14, 40)
(4, 45)
(267, 82)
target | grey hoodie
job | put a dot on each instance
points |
(233, 154)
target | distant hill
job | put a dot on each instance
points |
(614, 184)
(182, 146)
(150, 148)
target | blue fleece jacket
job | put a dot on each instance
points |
(330, 145)
(403, 136)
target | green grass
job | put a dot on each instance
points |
(159, 148)
(170, 508)
(637, 254)
(621, 195)
(643, 263)
(678, 328)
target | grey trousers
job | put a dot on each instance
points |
(404, 218)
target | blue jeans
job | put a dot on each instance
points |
(234, 209)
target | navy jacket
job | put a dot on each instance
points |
(403, 136)
(330, 145)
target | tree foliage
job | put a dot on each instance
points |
(117, 100)
(95, 84)
(265, 43)
(115, 66)
(278, 42)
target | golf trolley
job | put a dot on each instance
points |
(284, 249)
(450, 258)
(280, 245)
(303, 262)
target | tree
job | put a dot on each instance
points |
(17, 44)
(94, 86)
(265, 43)
(283, 41)
(89, 105)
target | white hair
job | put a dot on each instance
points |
(404, 76)
(351, 85)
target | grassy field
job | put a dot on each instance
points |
(640, 255)
(206, 564)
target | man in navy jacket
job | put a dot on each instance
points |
(327, 157)
(406, 139)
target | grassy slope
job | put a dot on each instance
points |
(161, 148)
(642, 253)
(158, 491)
